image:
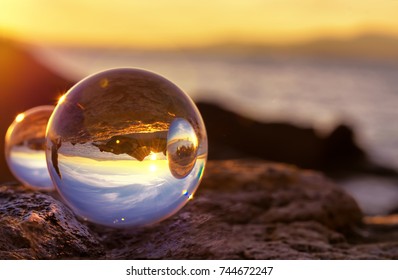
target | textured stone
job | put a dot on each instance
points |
(243, 210)
(249, 210)
(36, 226)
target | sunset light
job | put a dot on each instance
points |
(20, 117)
(152, 168)
(153, 156)
(173, 24)
(285, 108)
(61, 99)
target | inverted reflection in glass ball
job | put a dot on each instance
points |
(126, 147)
(182, 146)
(25, 148)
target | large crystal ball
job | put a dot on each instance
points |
(126, 147)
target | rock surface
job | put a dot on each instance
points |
(36, 226)
(243, 210)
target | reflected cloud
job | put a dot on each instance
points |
(112, 173)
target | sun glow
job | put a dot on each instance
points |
(173, 23)
(153, 156)
(62, 99)
(20, 117)
(153, 168)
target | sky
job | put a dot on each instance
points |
(174, 23)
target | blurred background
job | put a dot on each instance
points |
(315, 65)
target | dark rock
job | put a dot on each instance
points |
(36, 226)
(136, 145)
(234, 136)
(243, 210)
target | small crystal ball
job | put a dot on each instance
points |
(25, 148)
(126, 147)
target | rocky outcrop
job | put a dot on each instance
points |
(243, 210)
(137, 145)
(337, 154)
(36, 226)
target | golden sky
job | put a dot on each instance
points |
(177, 23)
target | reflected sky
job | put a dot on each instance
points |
(181, 129)
(124, 192)
(25, 147)
(113, 173)
(30, 166)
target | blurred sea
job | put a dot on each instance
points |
(308, 91)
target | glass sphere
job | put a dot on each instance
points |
(25, 148)
(126, 147)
